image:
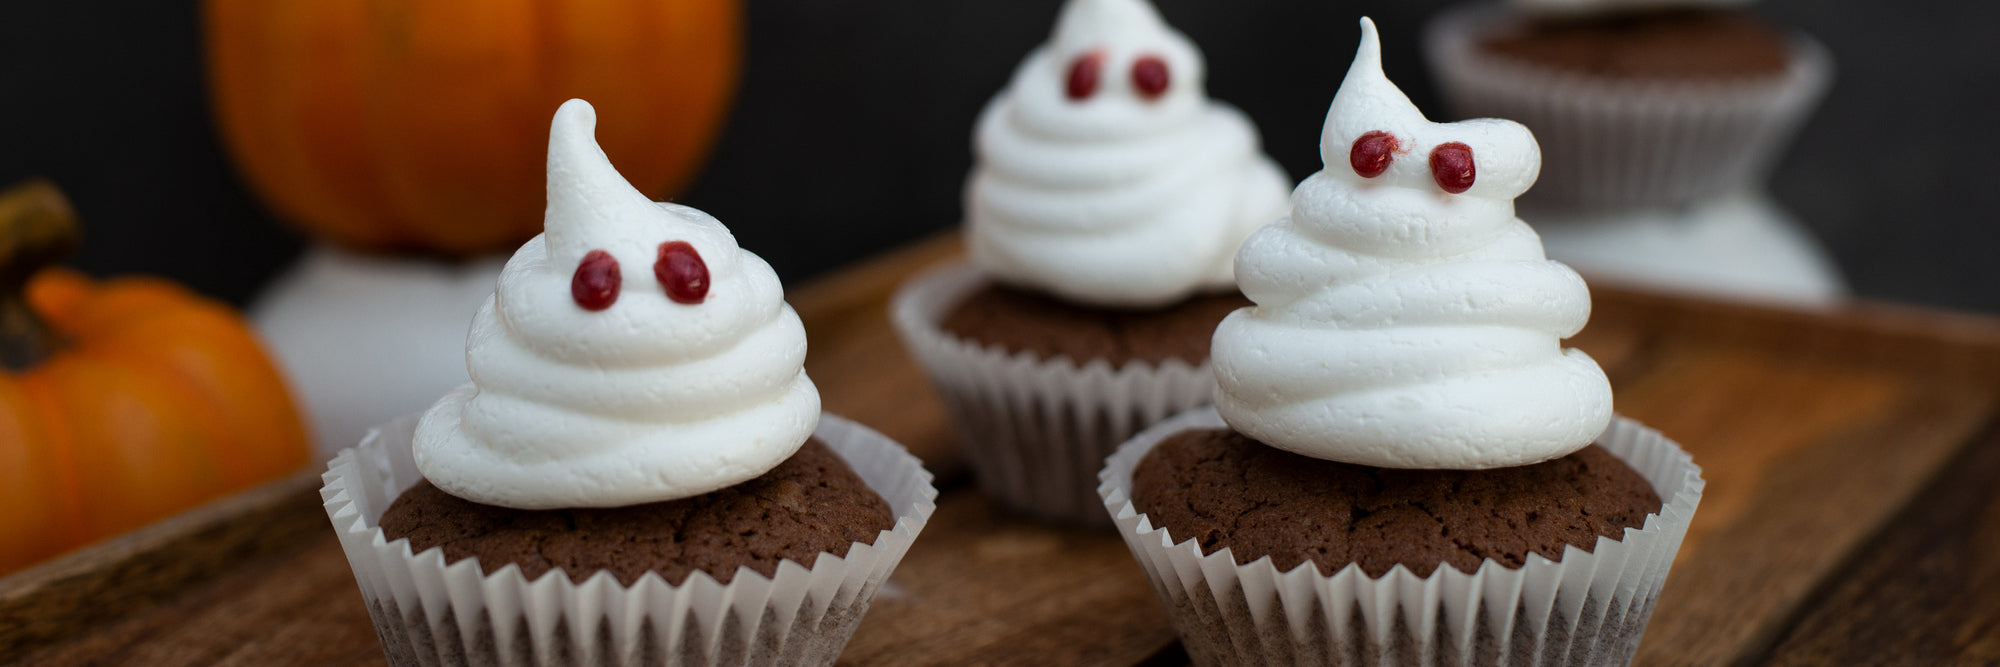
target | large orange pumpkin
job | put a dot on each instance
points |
(122, 402)
(423, 125)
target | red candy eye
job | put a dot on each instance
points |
(1372, 153)
(595, 285)
(1083, 75)
(682, 272)
(1150, 76)
(1451, 165)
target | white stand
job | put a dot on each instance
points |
(1740, 247)
(366, 339)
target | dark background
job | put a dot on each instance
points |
(851, 131)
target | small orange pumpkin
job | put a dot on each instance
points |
(122, 402)
(423, 125)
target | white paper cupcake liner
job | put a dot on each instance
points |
(1611, 144)
(1036, 431)
(430, 613)
(1590, 608)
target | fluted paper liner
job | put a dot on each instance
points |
(1611, 144)
(1036, 430)
(1590, 608)
(430, 613)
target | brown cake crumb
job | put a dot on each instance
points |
(1678, 43)
(1021, 320)
(809, 504)
(1224, 489)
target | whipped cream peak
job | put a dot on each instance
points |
(1405, 318)
(1506, 156)
(1111, 37)
(1106, 176)
(631, 353)
(592, 207)
(1088, 23)
(1121, 33)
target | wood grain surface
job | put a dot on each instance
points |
(1925, 591)
(1849, 518)
(138, 571)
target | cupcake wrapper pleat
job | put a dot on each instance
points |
(1589, 608)
(1036, 431)
(1620, 145)
(430, 613)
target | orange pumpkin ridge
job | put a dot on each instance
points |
(422, 125)
(142, 400)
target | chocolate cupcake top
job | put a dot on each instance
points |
(813, 503)
(1405, 317)
(1224, 490)
(1047, 327)
(1105, 175)
(1680, 43)
(631, 353)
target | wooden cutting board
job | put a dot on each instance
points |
(1851, 514)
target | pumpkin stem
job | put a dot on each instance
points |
(37, 229)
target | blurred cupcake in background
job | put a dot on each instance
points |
(1102, 216)
(1637, 103)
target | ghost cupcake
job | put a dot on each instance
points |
(1102, 218)
(1403, 465)
(638, 472)
(1638, 104)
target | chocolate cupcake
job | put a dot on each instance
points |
(812, 503)
(1400, 466)
(639, 471)
(1109, 196)
(1637, 104)
(1393, 581)
(1226, 490)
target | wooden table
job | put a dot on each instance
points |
(1852, 514)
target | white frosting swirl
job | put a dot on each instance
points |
(1398, 325)
(643, 401)
(1115, 199)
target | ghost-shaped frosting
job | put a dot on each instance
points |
(1106, 176)
(1405, 317)
(631, 353)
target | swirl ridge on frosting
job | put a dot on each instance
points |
(1121, 198)
(1399, 325)
(643, 401)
